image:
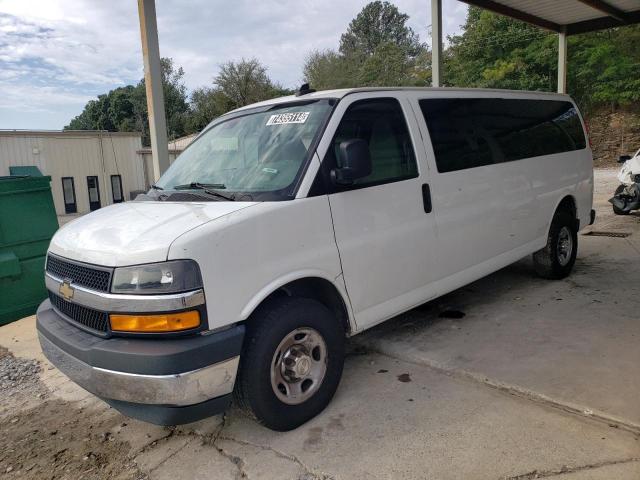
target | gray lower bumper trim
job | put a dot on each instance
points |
(179, 389)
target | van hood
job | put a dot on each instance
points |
(134, 232)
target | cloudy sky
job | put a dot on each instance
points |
(55, 55)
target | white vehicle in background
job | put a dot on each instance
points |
(627, 196)
(291, 224)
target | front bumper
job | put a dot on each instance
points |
(162, 381)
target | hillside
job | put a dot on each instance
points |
(614, 133)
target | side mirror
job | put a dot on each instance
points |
(624, 158)
(355, 158)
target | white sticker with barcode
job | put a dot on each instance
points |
(284, 118)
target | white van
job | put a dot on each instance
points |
(291, 224)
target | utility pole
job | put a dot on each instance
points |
(153, 83)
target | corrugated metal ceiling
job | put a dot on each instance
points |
(577, 15)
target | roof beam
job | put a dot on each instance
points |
(602, 23)
(517, 14)
(606, 8)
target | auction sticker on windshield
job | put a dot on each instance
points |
(284, 118)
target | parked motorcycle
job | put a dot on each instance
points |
(627, 195)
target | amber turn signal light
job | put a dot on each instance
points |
(166, 322)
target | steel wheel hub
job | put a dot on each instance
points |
(299, 365)
(565, 246)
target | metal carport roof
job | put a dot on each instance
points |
(568, 16)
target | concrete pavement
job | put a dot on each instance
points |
(539, 379)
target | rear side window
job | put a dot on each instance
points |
(381, 123)
(468, 133)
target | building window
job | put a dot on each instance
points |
(94, 192)
(69, 194)
(116, 189)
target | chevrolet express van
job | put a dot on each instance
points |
(291, 224)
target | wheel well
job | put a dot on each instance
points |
(568, 204)
(318, 289)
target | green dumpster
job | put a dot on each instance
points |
(27, 223)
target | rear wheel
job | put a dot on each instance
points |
(292, 362)
(616, 210)
(556, 259)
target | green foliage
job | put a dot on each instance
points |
(206, 104)
(377, 24)
(388, 65)
(245, 82)
(328, 69)
(499, 52)
(124, 109)
(378, 49)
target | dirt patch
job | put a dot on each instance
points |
(59, 441)
(55, 439)
(614, 133)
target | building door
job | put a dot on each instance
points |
(116, 189)
(69, 194)
(94, 193)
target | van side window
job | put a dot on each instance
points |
(381, 123)
(468, 133)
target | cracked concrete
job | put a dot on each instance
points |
(524, 386)
(592, 470)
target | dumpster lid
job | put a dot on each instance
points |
(24, 171)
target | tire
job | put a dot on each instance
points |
(556, 259)
(616, 210)
(262, 374)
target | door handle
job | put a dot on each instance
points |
(426, 198)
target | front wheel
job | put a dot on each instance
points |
(292, 362)
(556, 259)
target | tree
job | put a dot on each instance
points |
(379, 23)
(113, 111)
(500, 52)
(206, 104)
(245, 82)
(124, 109)
(175, 102)
(378, 48)
(387, 66)
(328, 69)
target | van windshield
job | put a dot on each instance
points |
(256, 156)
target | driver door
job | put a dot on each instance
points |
(384, 227)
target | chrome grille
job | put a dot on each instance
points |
(86, 276)
(88, 317)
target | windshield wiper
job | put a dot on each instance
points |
(156, 187)
(206, 188)
(199, 186)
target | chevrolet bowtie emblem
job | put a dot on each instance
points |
(66, 290)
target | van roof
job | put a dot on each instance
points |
(340, 93)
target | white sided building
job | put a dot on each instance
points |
(88, 169)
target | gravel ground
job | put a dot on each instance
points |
(18, 379)
(15, 373)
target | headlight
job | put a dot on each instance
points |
(167, 277)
